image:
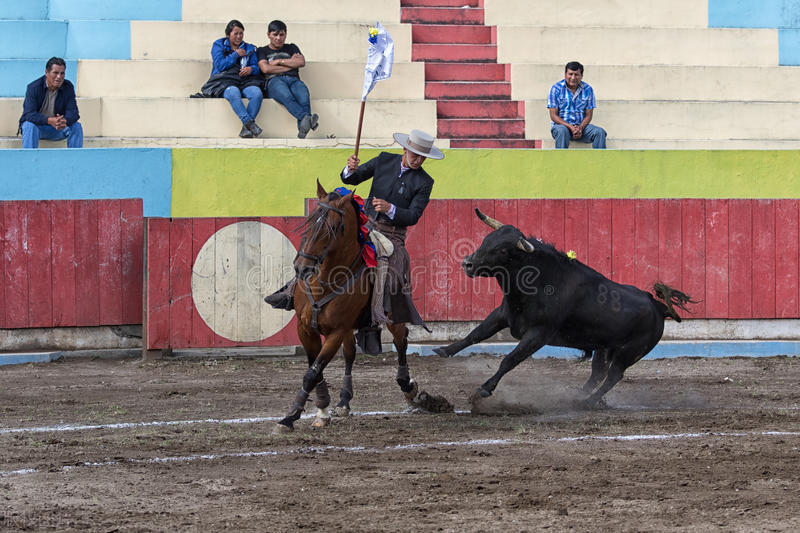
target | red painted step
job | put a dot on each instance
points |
(449, 34)
(441, 15)
(467, 72)
(464, 53)
(468, 90)
(480, 109)
(474, 128)
(495, 143)
(441, 3)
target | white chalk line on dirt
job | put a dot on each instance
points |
(321, 450)
(158, 423)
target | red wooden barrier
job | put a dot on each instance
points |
(740, 257)
(70, 263)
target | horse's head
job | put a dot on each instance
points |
(324, 228)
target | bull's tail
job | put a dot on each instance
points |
(672, 297)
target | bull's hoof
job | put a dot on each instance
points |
(281, 429)
(440, 352)
(479, 394)
(321, 422)
(340, 411)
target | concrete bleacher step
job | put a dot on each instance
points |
(213, 117)
(638, 46)
(480, 109)
(441, 15)
(683, 144)
(90, 110)
(450, 33)
(525, 144)
(386, 11)
(180, 78)
(321, 42)
(599, 13)
(688, 121)
(481, 128)
(218, 142)
(476, 90)
(441, 3)
(671, 82)
(454, 52)
(467, 72)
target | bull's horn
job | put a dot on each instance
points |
(524, 245)
(492, 223)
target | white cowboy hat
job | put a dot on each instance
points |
(420, 143)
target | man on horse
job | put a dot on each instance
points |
(399, 193)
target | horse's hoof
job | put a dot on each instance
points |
(411, 395)
(440, 352)
(320, 422)
(479, 394)
(341, 411)
(282, 429)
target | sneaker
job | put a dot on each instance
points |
(252, 126)
(246, 133)
(314, 121)
(305, 125)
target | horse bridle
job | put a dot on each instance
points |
(317, 259)
(317, 305)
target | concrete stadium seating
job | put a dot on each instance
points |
(385, 11)
(317, 41)
(180, 78)
(598, 13)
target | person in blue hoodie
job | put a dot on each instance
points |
(232, 53)
(50, 110)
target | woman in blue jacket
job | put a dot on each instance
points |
(232, 53)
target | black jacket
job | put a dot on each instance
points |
(409, 193)
(34, 98)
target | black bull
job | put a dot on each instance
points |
(552, 299)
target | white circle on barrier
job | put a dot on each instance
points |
(234, 270)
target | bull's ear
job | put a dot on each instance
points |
(524, 245)
(321, 194)
(492, 223)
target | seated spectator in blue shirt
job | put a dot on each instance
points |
(232, 53)
(281, 63)
(50, 110)
(571, 104)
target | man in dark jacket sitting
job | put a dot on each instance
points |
(50, 110)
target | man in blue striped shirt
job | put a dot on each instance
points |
(571, 104)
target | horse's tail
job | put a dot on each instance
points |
(672, 297)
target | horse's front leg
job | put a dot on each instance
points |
(346, 394)
(415, 398)
(312, 378)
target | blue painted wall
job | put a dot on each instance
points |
(32, 39)
(115, 9)
(23, 9)
(16, 74)
(754, 13)
(99, 39)
(783, 15)
(89, 173)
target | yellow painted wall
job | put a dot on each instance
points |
(250, 182)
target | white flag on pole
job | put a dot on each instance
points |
(379, 58)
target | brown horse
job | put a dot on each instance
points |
(333, 289)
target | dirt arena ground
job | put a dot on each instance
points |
(187, 445)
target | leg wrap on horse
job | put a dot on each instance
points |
(346, 394)
(312, 377)
(299, 404)
(323, 396)
(404, 378)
